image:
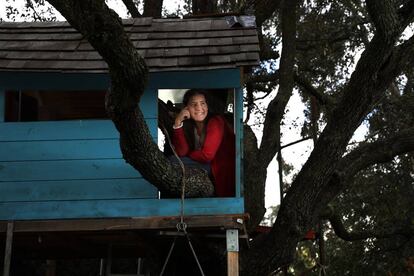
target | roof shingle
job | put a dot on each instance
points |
(166, 45)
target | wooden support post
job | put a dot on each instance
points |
(232, 239)
(102, 267)
(50, 268)
(8, 250)
(108, 267)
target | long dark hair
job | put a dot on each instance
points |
(189, 125)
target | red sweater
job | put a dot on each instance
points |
(218, 149)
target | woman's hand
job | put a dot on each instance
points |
(183, 115)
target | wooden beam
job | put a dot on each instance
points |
(232, 263)
(2, 105)
(232, 240)
(235, 221)
(50, 268)
(8, 250)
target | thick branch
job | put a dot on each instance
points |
(132, 8)
(406, 13)
(264, 9)
(377, 152)
(153, 8)
(276, 108)
(266, 51)
(384, 16)
(322, 98)
(254, 180)
(343, 233)
(313, 188)
(271, 142)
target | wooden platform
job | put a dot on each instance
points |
(235, 221)
(129, 237)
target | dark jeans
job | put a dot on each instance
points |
(188, 162)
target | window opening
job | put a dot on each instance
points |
(29, 106)
(220, 102)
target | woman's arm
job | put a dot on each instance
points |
(180, 142)
(214, 136)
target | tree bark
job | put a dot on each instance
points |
(343, 233)
(153, 8)
(312, 189)
(204, 7)
(132, 8)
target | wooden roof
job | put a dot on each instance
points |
(166, 45)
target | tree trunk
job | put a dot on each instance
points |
(153, 8)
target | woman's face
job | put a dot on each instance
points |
(197, 106)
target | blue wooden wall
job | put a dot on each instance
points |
(74, 169)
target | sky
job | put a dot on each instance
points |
(295, 155)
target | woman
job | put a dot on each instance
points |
(206, 139)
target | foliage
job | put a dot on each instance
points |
(32, 10)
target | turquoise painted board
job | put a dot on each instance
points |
(1, 105)
(54, 81)
(207, 79)
(118, 208)
(66, 170)
(74, 169)
(239, 138)
(64, 130)
(60, 150)
(76, 190)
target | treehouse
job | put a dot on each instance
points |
(60, 159)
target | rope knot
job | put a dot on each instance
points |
(181, 226)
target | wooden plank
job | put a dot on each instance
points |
(8, 249)
(221, 78)
(2, 107)
(207, 79)
(77, 190)
(227, 221)
(189, 35)
(233, 263)
(39, 36)
(64, 130)
(118, 208)
(162, 62)
(50, 268)
(39, 45)
(53, 65)
(140, 21)
(34, 30)
(48, 24)
(182, 25)
(58, 130)
(50, 41)
(54, 81)
(232, 242)
(66, 170)
(238, 127)
(173, 43)
(53, 55)
(59, 150)
(197, 60)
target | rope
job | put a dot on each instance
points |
(168, 257)
(181, 226)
